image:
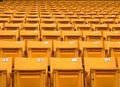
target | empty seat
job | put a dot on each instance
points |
(4, 20)
(18, 15)
(115, 27)
(33, 20)
(72, 35)
(78, 21)
(9, 35)
(17, 20)
(44, 26)
(92, 36)
(59, 16)
(50, 35)
(93, 21)
(30, 72)
(66, 49)
(10, 26)
(12, 48)
(65, 27)
(92, 49)
(48, 20)
(83, 27)
(63, 75)
(102, 72)
(111, 35)
(29, 35)
(101, 27)
(45, 16)
(39, 48)
(63, 21)
(108, 21)
(27, 26)
(113, 48)
(5, 72)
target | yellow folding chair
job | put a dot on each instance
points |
(102, 72)
(29, 35)
(63, 75)
(30, 72)
(5, 72)
(66, 49)
(50, 35)
(92, 36)
(92, 48)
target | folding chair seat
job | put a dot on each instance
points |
(66, 49)
(67, 13)
(103, 13)
(17, 20)
(92, 36)
(5, 16)
(85, 16)
(83, 27)
(91, 13)
(63, 75)
(33, 20)
(102, 72)
(5, 72)
(93, 21)
(52, 26)
(19, 15)
(92, 49)
(44, 12)
(9, 35)
(115, 27)
(28, 26)
(50, 35)
(46, 16)
(112, 48)
(111, 17)
(100, 27)
(72, 35)
(59, 16)
(63, 21)
(108, 21)
(33, 12)
(72, 17)
(4, 20)
(98, 16)
(65, 27)
(29, 35)
(39, 49)
(11, 26)
(56, 13)
(48, 21)
(30, 72)
(111, 35)
(12, 48)
(78, 21)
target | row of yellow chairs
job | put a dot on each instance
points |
(64, 72)
(59, 49)
(84, 6)
(60, 26)
(62, 20)
(43, 35)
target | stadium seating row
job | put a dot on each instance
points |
(43, 35)
(59, 49)
(63, 72)
(62, 26)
